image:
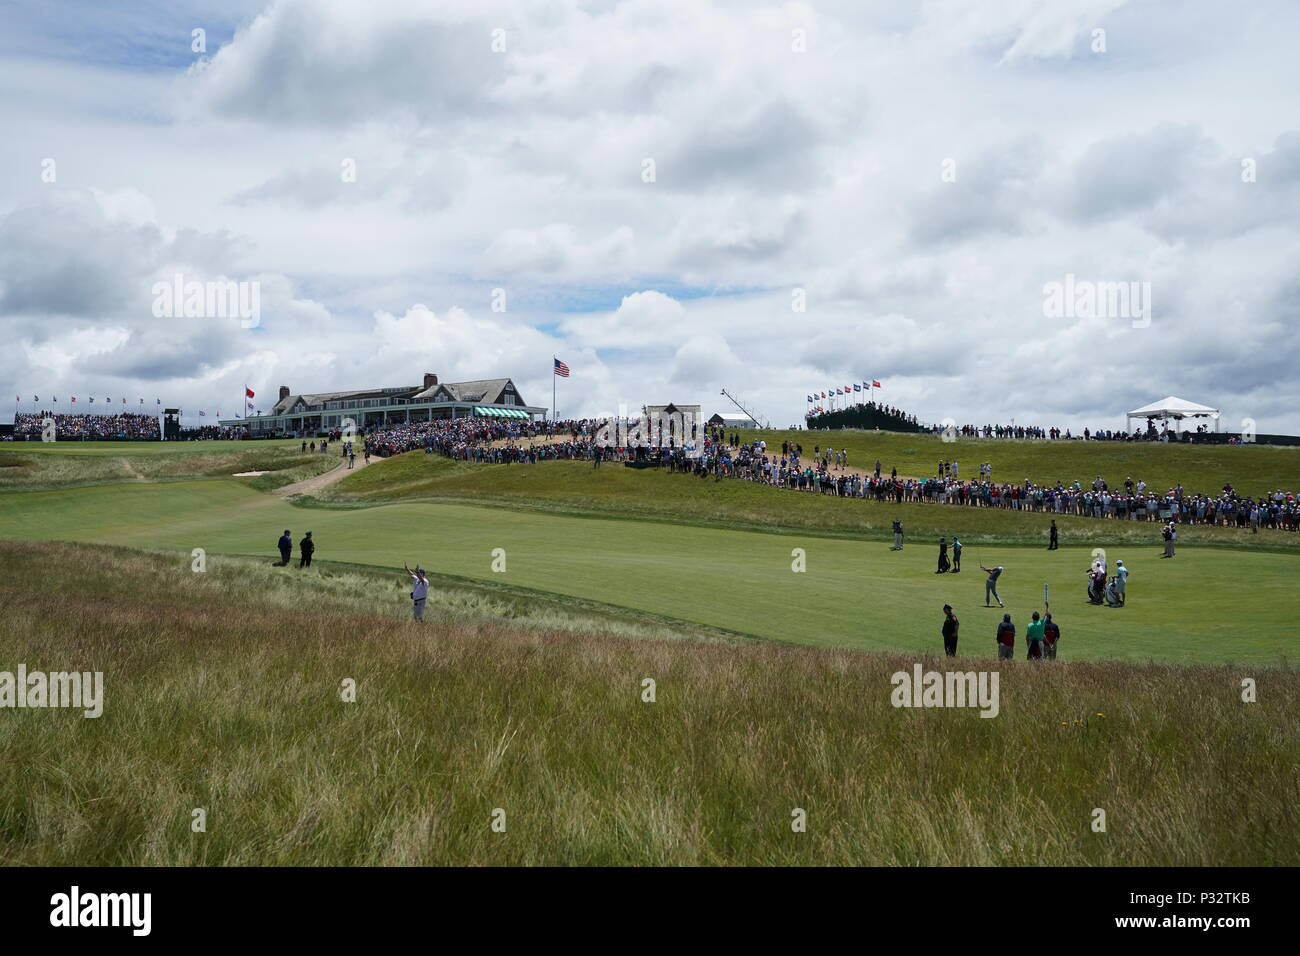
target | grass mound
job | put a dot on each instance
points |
(40, 466)
(576, 488)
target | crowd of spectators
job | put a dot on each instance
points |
(124, 426)
(1150, 433)
(474, 439)
(1134, 501)
(211, 433)
(867, 414)
(825, 471)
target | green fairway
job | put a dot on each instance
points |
(1203, 606)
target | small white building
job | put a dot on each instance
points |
(732, 420)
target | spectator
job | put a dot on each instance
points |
(1006, 639)
(1051, 634)
(950, 627)
(419, 591)
(1034, 638)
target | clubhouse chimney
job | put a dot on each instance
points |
(284, 392)
(430, 380)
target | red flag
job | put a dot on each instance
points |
(248, 392)
(875, 384)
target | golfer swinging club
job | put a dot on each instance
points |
(991, 585)
(419, 591)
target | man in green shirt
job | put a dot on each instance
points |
(1034, 636)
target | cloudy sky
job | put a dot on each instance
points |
(655, 186)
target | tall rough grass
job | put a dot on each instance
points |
(222, 692)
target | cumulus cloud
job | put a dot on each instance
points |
(704, 361)
(68, 255)
(645, 319)
(1017, 29)
(336, 64)
(798, 153)
(1132, 173)
(556, 248)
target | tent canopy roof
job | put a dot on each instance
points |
(1172, 407)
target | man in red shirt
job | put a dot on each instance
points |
(1006, 639)
(1051, 634)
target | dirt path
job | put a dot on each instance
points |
(312, 485)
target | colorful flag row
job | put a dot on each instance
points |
(846, 390)
(89, 400)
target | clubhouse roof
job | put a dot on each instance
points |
(373, 407)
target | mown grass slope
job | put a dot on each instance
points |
(223, 692)
(576, 488)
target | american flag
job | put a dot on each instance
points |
(561, 369)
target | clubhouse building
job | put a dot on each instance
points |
(376, 407)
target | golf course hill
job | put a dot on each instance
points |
(574, 487)
(635, 666)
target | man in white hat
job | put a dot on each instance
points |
(419, 591)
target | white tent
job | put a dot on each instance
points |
(1175, 408)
